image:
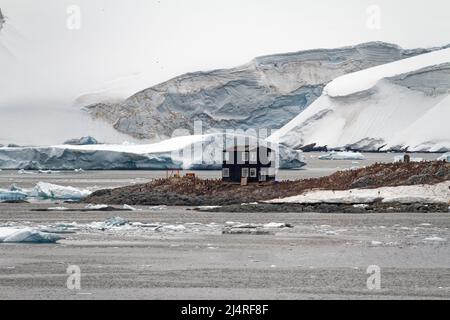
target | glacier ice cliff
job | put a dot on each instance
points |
(266, 93)
(404, 105)
(186, 152)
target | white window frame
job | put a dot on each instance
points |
(263, 174)
(225, 172)
(226, 157)
(253, 156)
(244, 173)
(244, 156)
(253, 173)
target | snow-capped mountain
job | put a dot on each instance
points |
(265, 93)
(396, 106)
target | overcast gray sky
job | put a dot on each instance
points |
(41, 59)
(118, 38)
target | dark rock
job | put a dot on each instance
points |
(362, 182)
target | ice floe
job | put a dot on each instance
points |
(26, 235)
(43, 190)
(52, 191)
(435, 239)
(12, 195)
(445, 157)
(344, 155)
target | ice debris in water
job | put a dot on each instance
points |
(127, 207)
(26, 235)
(52, 191)
(435, 239)
(94, 207)
(345, 155)
(58, 209)
(12, 195)
(445, 157)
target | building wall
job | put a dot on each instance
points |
(236, 163)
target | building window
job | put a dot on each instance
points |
(253, 172)
(226, 157)
(253, 157)
(244, 173)
(226, 172)
(244, 156)
(263, 174)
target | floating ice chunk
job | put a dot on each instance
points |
(12, 195)
(58, 209)
(360, 206)
(52, 191)
(157, 208)
(344, 155)
(205, 208)
(26, 235)
(22, 171)
(445, 157)
(435, 239)
(127, 207)
(48, 171)
(376, 243)
(276, 225)
(96, 206)
(174, 228)
(116, 221)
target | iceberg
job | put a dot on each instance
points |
(52, 191)
(445, 157)
(12, 195)
(26, 235)
(344, 155)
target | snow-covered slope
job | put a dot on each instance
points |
(265, 93)
(187, 152)
(404, 104)
(438, 193)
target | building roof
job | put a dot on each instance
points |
(247, 148)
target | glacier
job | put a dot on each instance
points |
(266, 93)
(403, 105)
(195, 152)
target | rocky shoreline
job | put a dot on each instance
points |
(378, 207)
(188, 191)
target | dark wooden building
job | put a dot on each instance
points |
(255, 163)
